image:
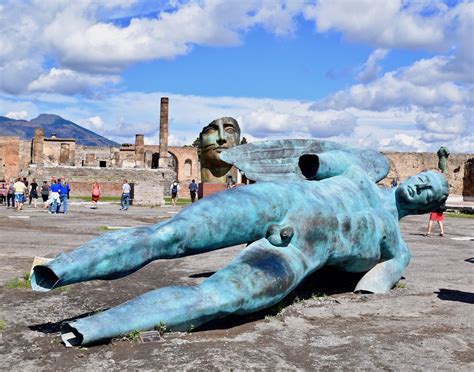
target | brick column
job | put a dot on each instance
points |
(139, 151)
(163, 162)
(38, 145)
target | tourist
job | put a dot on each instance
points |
(438, 216)
(25, 194)
(63, 193)
(54, 197)
(3, 193)
(95, 194)
(174, 189)
(45, 193)
(394, 183)
(19, 188)
(193, 189)
(11, 195)
(33, 194)
(124, 199)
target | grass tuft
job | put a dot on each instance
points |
(132, 336)
(459, 215)
(400, 284)
(23, 282)
(3, 325)
(161, 328)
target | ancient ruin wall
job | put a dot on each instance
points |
(405, 164)
(9, 157)
(149, 185)
(91, 155)
(187, 164)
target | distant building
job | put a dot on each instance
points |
(43, 157)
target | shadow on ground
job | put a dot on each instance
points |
(453, 295)
(56, 327)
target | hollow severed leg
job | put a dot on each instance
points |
(259, 277)
(109, 256)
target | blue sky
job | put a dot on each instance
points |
(394, 75)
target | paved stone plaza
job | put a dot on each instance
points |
(424, 324)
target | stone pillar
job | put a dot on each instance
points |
(38, 146)
(139, 151)
(163, 162)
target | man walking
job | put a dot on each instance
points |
(63, 193)
(193, 188)
(124, 200)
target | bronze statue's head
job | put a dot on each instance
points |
(422, 193)
(216, 137)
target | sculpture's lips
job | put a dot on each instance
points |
(410, 190)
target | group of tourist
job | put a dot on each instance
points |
(175, 188)
(16, 193)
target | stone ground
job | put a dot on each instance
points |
(424, 324)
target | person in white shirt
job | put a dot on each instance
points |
(125, 198)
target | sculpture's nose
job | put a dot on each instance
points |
(221, 139)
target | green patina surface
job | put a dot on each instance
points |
(330, 212)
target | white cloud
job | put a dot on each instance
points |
(371, 68)
(266, 121)
(17, 115)
(77, 40)
(65, 81)
(387, 24)
(122, 115)
(403, 143)
(94, 123)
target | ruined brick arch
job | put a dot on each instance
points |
(188, 168)
(155, 158)
(173, 163)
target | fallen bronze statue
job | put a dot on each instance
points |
(315, 204)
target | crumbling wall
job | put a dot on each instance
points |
(468, 189)
(188, 167)
(90, 156)
(405, 164)
(58, 151)
(10, 157)
(149, 185)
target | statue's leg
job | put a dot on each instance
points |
(201, 227)
(386, 274)
(259, 277)
(116, 254)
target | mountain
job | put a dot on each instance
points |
(52, 124)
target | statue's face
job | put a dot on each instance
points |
(423, 192)
(218, 136)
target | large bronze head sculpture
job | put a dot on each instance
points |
(221, 134)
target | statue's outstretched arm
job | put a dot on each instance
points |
(386, 274)
(259, 277)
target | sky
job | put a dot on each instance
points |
(393, 75)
